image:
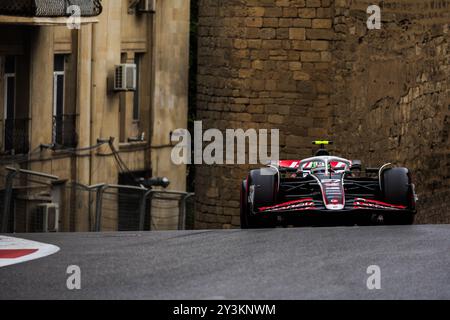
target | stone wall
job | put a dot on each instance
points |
(262, 65)
(392, 101)
(312, 69)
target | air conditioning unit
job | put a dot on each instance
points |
(47, 218)
(125, 77)
(147, 6)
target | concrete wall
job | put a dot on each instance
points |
(312, 69)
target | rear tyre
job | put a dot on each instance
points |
(263, 191)
(246, 221)
(397, 190)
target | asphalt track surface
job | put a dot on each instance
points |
(292, 264)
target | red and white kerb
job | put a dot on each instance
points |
(14, 250)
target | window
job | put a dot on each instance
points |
(15, 134)
(58, 99)
(133, 103)
(9, 102)
(64, 123)
(137, 98)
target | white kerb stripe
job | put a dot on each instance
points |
(23, 250)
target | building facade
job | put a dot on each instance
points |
(61, 115)
(314, 70)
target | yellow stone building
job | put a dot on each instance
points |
(61, 116)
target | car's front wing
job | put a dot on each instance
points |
(309, 205)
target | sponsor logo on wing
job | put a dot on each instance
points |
(372, 204)
(299, 205)
(292, 164)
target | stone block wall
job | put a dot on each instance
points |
(312, 69)
(262, 65)
(392, 93)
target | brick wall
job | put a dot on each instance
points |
(312, 69)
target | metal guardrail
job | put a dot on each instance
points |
(101, 189)
(184, 196)
(143, 195)
(12, 173)
(146, 194)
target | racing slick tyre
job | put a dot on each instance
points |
(263, 190)
(396, 185)
(246, 220)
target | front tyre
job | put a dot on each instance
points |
(398, 190)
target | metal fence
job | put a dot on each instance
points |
(23, 190)
(16, 136)
(36, 202)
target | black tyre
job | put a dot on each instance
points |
(397, 190)
(246, 222)
(265, 184)
(263, 191)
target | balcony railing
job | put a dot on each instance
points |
(49, 8)
(16, 136)
(64, 131)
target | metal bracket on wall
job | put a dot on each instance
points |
(132, 4)
(141, 6)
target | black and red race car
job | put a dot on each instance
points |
(327, 190)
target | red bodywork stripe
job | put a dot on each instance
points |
(384, 204)
(286, 204)
(16, 253)
(289, 164)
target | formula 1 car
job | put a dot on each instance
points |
(327, 190)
